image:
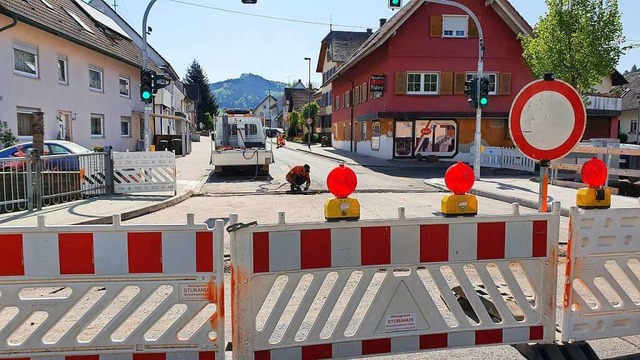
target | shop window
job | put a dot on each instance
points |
(436, 137)
(363, 131)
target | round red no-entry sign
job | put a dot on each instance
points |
(547, 119)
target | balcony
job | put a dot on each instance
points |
(604, 104)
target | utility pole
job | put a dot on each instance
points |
(145, 58)
(309, 104)
(477, 142)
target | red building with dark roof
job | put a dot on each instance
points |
(425, 53)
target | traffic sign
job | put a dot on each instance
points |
(309, 121)
(547, 119)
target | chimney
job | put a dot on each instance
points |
(382, 22)
(369, 30)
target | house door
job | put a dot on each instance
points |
(403, 147)
(64, 126)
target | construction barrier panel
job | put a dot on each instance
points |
(112, 291)
(602, 282)
(351, 289)
(151, 171)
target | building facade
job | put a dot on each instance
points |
(630, 117)
(417, 70)
(82, 70)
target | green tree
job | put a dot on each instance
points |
(310, 110)
(580, 41)
(294, 124)
(634, 68)
(208, 121)
(208, 103)
(6, 135)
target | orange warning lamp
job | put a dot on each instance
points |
(596, 196)
(459, 179)
(342, 182)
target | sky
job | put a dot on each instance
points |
(227, 44)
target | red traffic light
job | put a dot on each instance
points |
(342, 181)
(594, 173)
(459, 178)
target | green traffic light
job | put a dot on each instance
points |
(484, 101)
(395, 2)
(146, 95)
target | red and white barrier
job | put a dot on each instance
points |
(347, 289)
(126, 288)
(602, 281)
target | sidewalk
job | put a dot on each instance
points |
(192, 172)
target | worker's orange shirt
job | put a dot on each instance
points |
(299, 171)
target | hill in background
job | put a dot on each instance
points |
(247, 91)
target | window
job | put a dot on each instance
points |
(124, 87)
(25, 59)
(63, 72)
(634, 126)
(337, 102)
(95, 78)
(97, 125)
(422, 83)
(347, 99)
(363, 92)
(363, 131)
(455, 26)
(252, 129)
(125, 126)
(493, 81)
(24, 121)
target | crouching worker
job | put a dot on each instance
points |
(297, 176)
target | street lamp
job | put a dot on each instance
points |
(309, 104)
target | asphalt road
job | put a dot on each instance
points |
(382, 191)
(381, 179)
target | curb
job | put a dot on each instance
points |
(352, 162)
(139, 212)
(508, 199)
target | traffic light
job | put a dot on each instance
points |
(484, 92)
(249, 1)
(147, 80)
(471, 90)
(395, 4)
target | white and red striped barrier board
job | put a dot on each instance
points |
(69, 290)
(387, 346)
(106, 253)
(385, 245)
(210, 355)
(335, 290)
(602, 285)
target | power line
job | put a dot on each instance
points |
(309, 22)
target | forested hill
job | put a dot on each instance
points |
(247, 91)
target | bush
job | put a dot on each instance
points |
(623, 137)
(6, 135)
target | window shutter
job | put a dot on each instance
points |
(446, 83)
(436, 26)
(473, 30)
(401, 83)
(356, 95)
(459, 80)
(504, 84)
(364, 96)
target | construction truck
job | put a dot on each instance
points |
(239, 142)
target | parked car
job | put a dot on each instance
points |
(51, 147)
(273, 132)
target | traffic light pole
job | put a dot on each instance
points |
(477, 142)
(145, 57)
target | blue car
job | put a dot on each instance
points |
(51, 147)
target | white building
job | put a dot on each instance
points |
(630, 117)
(74, 64)
(264, 110)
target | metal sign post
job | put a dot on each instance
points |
(477, 139)
(145, 57)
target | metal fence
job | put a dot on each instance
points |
(30, 183)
